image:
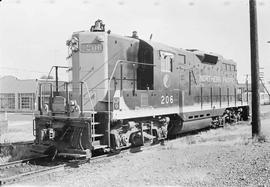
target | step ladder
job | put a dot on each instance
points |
(96, 138)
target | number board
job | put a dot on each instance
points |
(91, 48)
(166, 99)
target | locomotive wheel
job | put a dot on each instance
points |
(221, 122)
(136, 139)
(174, 127)
(155, 140)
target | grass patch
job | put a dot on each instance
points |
(13, 130)
(260, 139)
(265, 115)
(15, 152)
(246, 140)
(20, 152)
(190, 140)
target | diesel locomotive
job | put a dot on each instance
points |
(125, 91)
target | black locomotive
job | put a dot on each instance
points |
(124, 91)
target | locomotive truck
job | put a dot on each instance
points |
(125, 91)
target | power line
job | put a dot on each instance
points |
(122, 2)
(19, 69)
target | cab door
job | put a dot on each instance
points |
(182, 79)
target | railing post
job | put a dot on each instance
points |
(114, 83)
(220, 99)
(81, 98)
(39, 98)
(189, 83)
(247, 89)
(67, 99)
(134, 76)
(228, 96)
(201, 97)
(235, 96)
(121, 76)
(151, 127)
(89, 132)
(142, 134)
(56, 80)
(241, 96)
(51, 97)
(211, 95)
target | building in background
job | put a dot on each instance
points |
(20, 95)
(16, 94)
(263, 91)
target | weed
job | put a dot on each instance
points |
(202, 140)
(190, 140)
(14, 130)
(19, 152)
(15, 152)
(260, 139)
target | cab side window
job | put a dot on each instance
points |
(166, 60)
(181, 59)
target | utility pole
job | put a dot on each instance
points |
(256, 121)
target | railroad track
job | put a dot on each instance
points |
(17, 143)
(20, 170)
(6, 147)
(16, 171)
(25, 169)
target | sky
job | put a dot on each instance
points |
(33, 33)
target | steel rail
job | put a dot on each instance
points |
(19, 162)
(127, 150)
(16, 143)
(31, 174)
(61, 167)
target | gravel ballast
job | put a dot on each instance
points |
(218, 157)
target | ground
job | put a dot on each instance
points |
(217, 157)
(20, 128)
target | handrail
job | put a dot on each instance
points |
(191, 70)
(108, 88)
(128, 62)
(88, 92)
(82, 95)
(109, 92)
(40, 95)
(98, 84)
(87, 76)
